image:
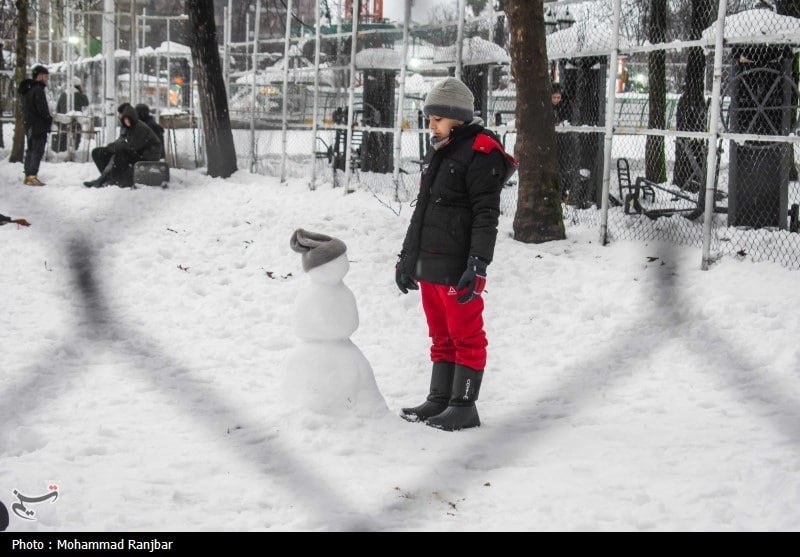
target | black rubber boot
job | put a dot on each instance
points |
(438, 397)
(461, 412)
(98, 183)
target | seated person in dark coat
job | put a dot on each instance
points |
(143, 111)
(120, 109)
(115, 161)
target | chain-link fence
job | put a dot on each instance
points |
(354, 94)
(681, 83)
(702, 121)
(330, 113)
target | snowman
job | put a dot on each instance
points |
(325, 372)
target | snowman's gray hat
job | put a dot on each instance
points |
(317, 249)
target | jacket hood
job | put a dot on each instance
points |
(143, 111)
(129, 113)
(25, 85)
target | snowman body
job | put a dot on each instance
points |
(326, 372)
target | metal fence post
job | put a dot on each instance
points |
(132, 54)
(226, 53)
(462, 6)
(285, 113)
(711, 159)
(314, 125)
(253, 91)
(351, 102)
(169, 62)
(64, 127)
(109, 61)
(68, 58)
(611, 96)
(398, 125)
(38, 25)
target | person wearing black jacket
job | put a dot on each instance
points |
(143, 111)
(115, 161)
(79, 102)
(448, 246)
(561, 105)
(37, 121)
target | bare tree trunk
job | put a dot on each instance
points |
(538, 217)
(655, 161)
(220, 150)
(692, 111)
(18, 146)
(2, 97)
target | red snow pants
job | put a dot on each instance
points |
(456, 330)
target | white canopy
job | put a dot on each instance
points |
(584, 36)
(475, 51)
(752, 23)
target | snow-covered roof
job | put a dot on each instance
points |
(476, 51)
(274, 75)
(584, 36)
(752, 23)
(171, 111)
(379, 59)
(144, 79)
(415, 83)
(174, 49)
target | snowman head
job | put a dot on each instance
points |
(331, 272)
(324, 257)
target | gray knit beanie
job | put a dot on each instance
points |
(450, 98)
(317, 249)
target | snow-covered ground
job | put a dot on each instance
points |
(143, 335)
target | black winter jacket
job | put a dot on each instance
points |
(35, 112)
(139, 138)
(143, 111)
(79, 102)
(458, 205)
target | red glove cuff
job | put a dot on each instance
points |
(480, 283)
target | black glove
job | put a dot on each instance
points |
(405, 282)
(473, 279)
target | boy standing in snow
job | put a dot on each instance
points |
(447, 248)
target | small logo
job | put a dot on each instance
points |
(466, 391)
(24, 512)
(452, 292)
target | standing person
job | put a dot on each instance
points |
(449, 243)
(115, 161)
(79, 102)
(37, 120)
(560, 105)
